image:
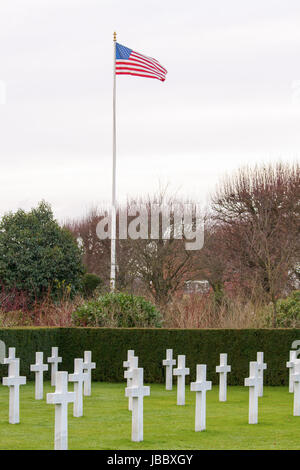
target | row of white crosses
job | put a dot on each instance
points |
(201, 386)
(135, 389)
(181, 371)
(60, 398)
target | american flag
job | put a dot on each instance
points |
(129, 62)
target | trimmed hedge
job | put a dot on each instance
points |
(109, 350)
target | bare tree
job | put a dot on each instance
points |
(162, 263)
(259, 210)
(154, 266)
(96, 252)
(213, 262)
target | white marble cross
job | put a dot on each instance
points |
(261, 367)
(79, 377)
(137, 391)
(11, 357)
(61, 398)
(169, 362)
(223, 370)
(128, 374)
(54, 360)
(290, 365)
(200, 387)
(88, 365)
(296, 380)
(181, 372)
(253, 382)
(39, 368)
(13, 381)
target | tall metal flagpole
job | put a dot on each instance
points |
(113, 206)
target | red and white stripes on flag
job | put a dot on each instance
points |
(129, 62)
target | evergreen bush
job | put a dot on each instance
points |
(117, 310)
(289, 310)
(37, 256)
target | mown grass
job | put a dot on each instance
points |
(106, 423)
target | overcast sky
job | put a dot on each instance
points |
(231, 97)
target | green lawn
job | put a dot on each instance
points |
(106, 423)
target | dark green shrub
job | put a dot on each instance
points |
(289, 310)
(90, 282)
(37, 255)
(117, 310)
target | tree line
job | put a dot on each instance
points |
(251, 240)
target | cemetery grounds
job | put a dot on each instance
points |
(106, 421)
